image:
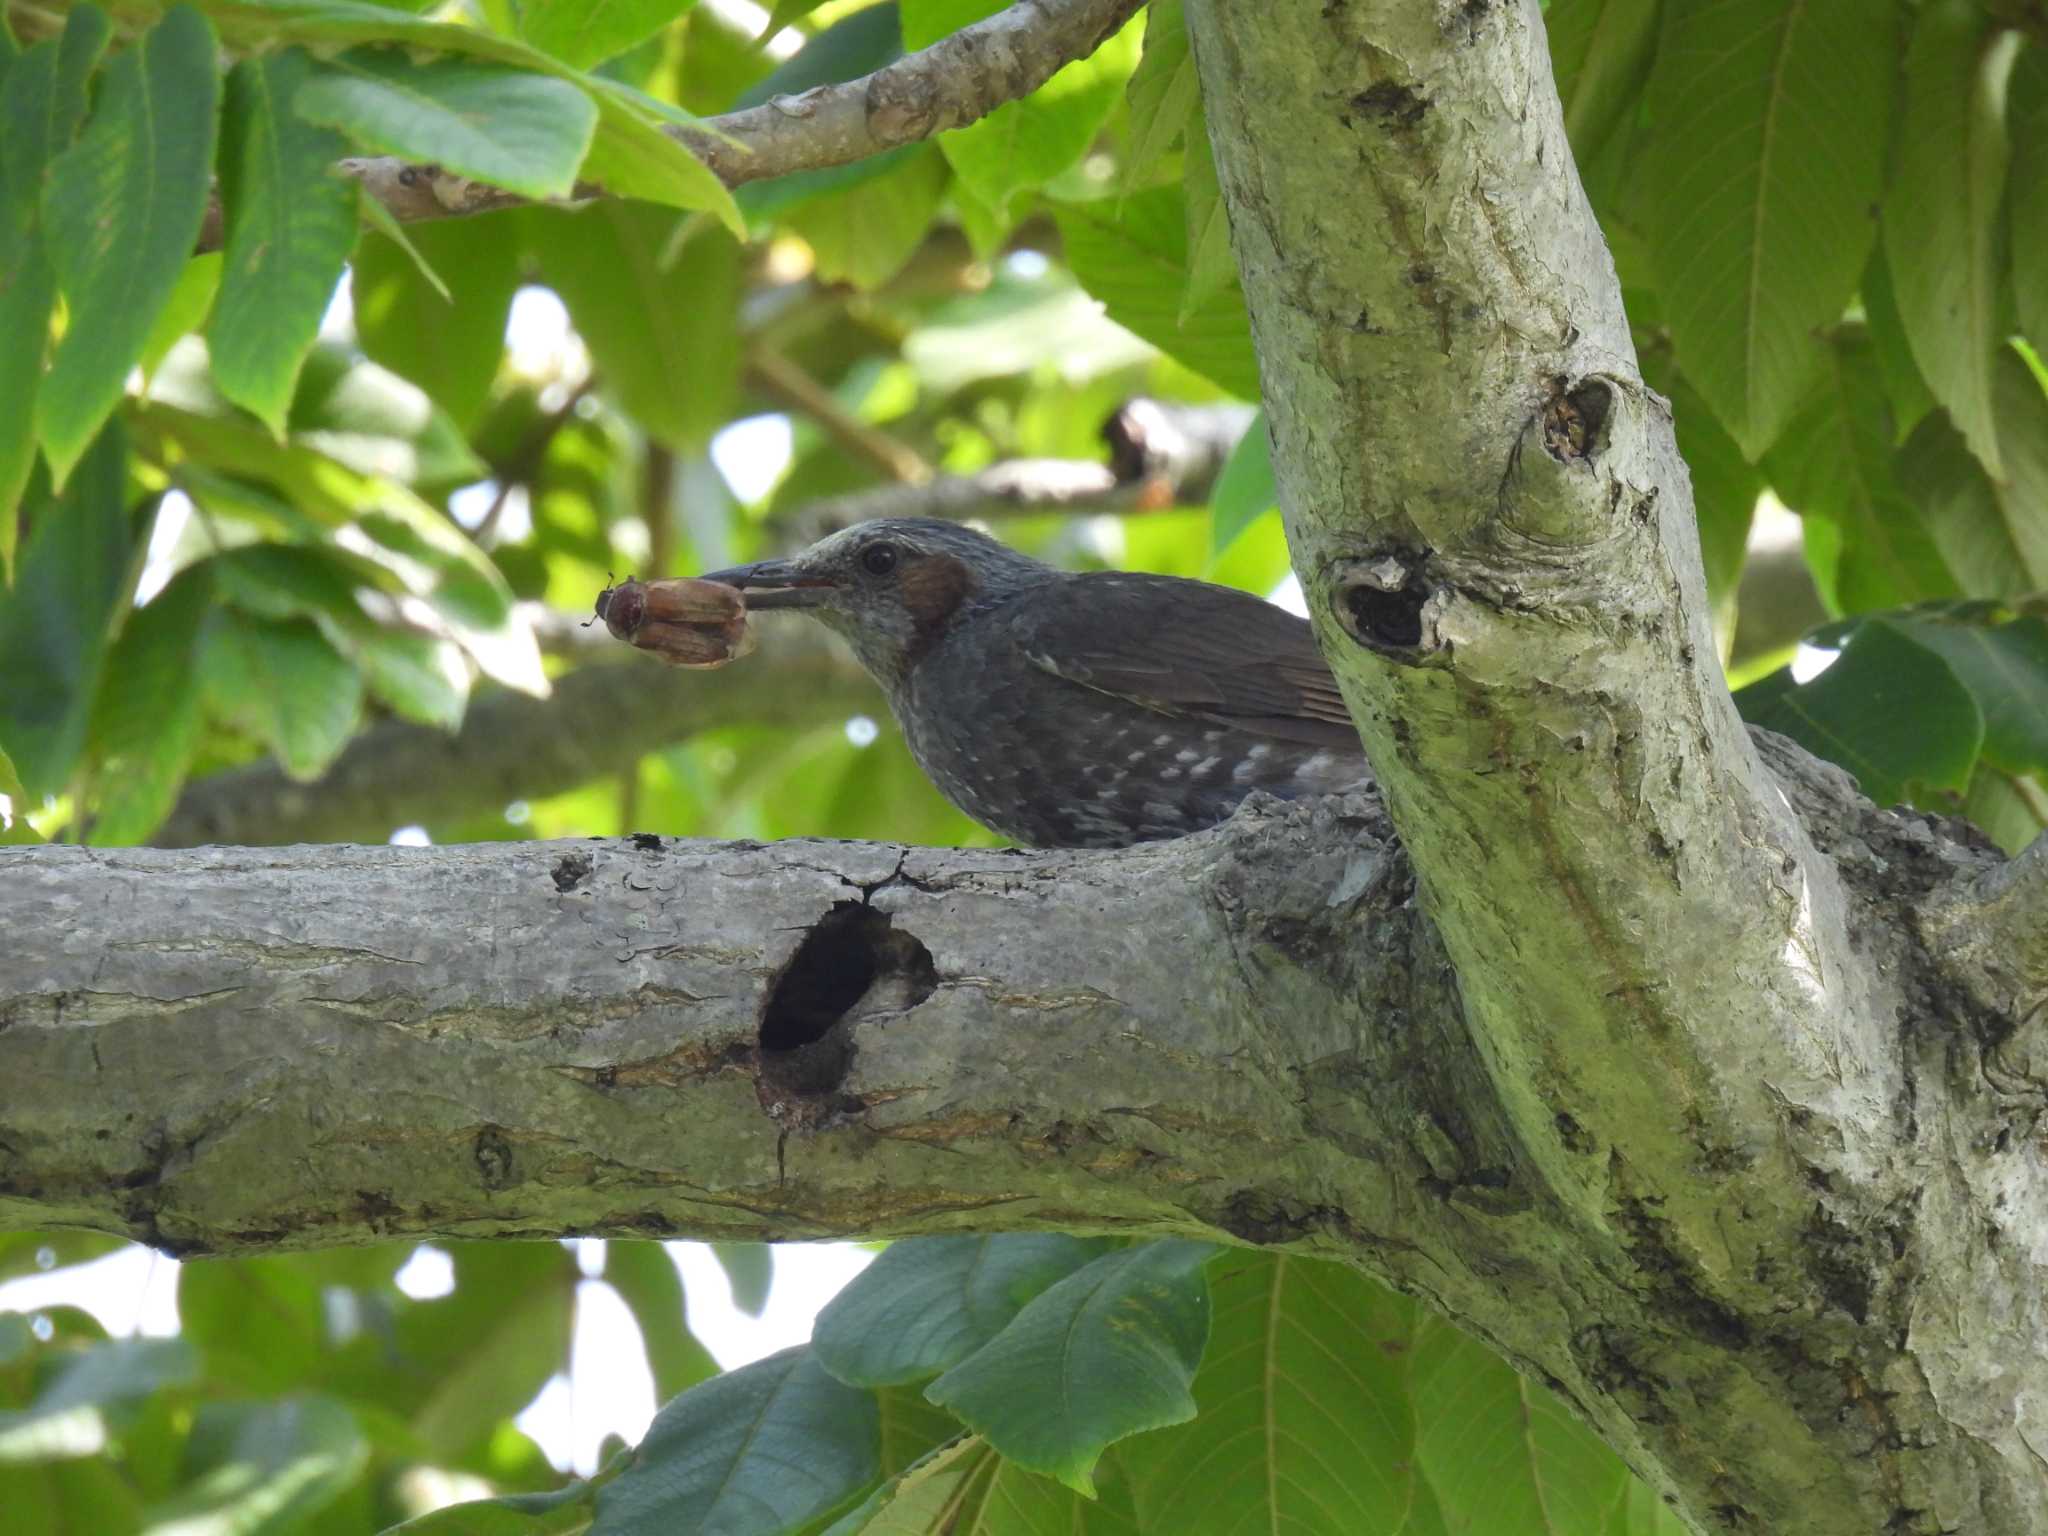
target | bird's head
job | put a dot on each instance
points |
(894, 586)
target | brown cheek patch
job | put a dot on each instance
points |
(933, 590)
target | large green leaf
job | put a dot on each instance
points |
(1991, 533)
(73, 577)
(451, 348)
(146, 718)
(1503, 1456)
(2004, 665)
(1305, 1422)
(1600, 51)
(1836, 462)
(63, 1498)
(284, 684)
(1908, 392)
(1133, 256)
(2027, 110)
(929, 1302)
(1764, 159)
(525, 132)
(122, 210)
(758, 1450)
(646, 1279)
(662, 333)
(1941, 215)
(42, 101)
(1889, 710)
(863, 234)
(1106, 1352)
(290, 225)
(1026, 142)
(580, 33)
(1163, 90)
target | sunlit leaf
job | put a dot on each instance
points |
(1245, 491)
(290, 225)
(42, 101)
(1163, 90)
(524, 132)
(1600, 51)
(2027, 112)
(580, 33)
(123, 208)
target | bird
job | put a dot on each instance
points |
(1070, 709)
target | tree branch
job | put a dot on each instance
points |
(958, 80)
(601, 717)
(1683, 1020)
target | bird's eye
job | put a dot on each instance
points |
(878, 559)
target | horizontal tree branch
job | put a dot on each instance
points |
(1254, 1033)
(956, 81)
(600, 718)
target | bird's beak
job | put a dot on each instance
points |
(776, 584)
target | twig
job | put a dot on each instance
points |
(958, 80)
(778, 376)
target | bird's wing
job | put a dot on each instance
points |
(1186, 648)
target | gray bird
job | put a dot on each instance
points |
(1070, 710)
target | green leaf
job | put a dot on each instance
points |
(146, 717)
(2005, 668)
(1304, 1420)
(1245, 491)
(184, 312)
(42, 101)
(290, 225)
(1211, 267)
(663, 335)
(1500, 1453)
(1134, 258)
(632, 156)
(1941, 215)
(123, 208)
(525, 132)
(1836, 462)
(1760, 242)
(275, 1465)
(284, 684)
(1106, 1352)
(582, 34)
(1990, 533)
(1164, 94)
(1026, 142)
(1889, 710)
(761, 1449)
(1910, 397)
(65, 1418)
(749, 1269)
(930, 1302)
(377, 423)
(645, 1277)
(864, 234)
(1600, 51)
(74, 576)
(2027, 199)
(449, 348)
(62, 1498)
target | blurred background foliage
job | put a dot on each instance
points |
(298, 534)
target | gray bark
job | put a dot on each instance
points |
(1724, 1089)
